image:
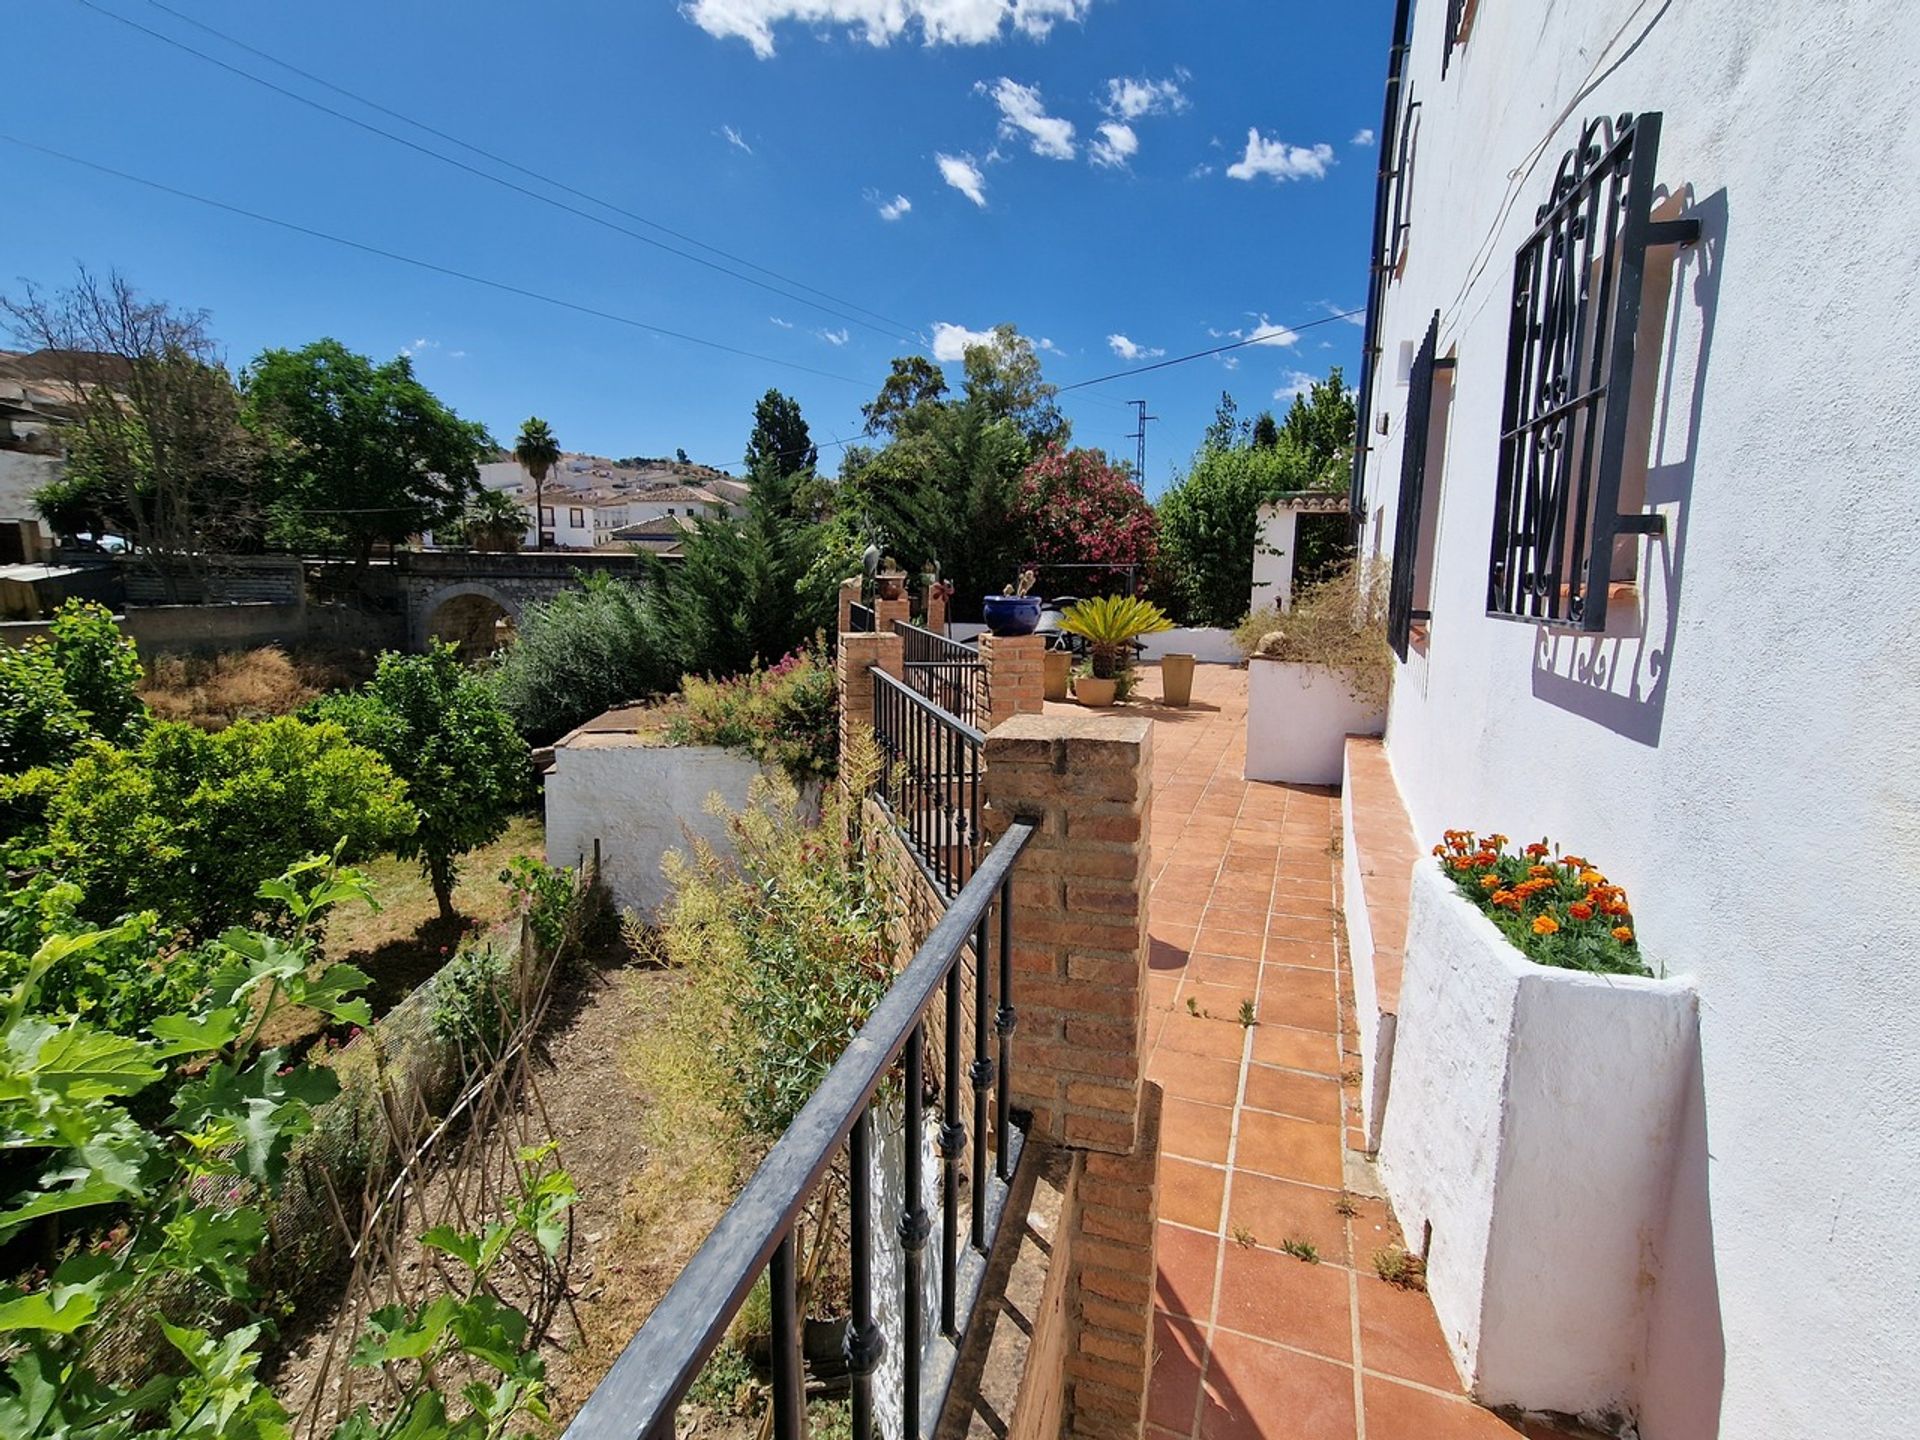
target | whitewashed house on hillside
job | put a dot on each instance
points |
(1638, 446)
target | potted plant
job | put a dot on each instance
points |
(1110, 624)
(1013, 611)
(1539, 1084)
(1057, 671)
(1316, 675)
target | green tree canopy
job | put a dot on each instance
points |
(781, 443)
(1003, 376)
(363, 453)
(441, 729)
(537, 452)
(912, 381)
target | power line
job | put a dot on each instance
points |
(1216, 350)
(502, 285)
(297, 97)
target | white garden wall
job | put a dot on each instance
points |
(1208, 645)
(638, 799)
(1740, 747)
(1298, 720)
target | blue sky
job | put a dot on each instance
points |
(758, 127)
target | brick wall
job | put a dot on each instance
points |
(1012, 678)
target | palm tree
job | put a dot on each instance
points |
(538, 452)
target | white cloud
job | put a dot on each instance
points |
(783, 324)
(893, 209)
(962, 174)
(1280, 160)
(1352, 314)
(735, 138)
(880, 22)
(1362, 137)
(1043, 343)
(1298, 383)
(1023, 112)
(421, 344)
(1129, 98)
(1128, 350)
(951, 342)
(835, 338)
(1117, 145)
(456, 354)
(1200, 172)
(1266, 333)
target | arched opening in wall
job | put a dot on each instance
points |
(477, 624)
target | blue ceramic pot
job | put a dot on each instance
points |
(1011, 614)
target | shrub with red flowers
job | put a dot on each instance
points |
(1557, 909)
(1077, 506)
(789, 714)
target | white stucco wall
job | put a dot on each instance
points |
(1740, 751)
(639, 800)
(20, 475)
(1208, 645)
(1298, 720)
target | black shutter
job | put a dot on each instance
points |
(1456, 12)
(1413, 476)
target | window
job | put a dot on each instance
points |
(1456, 32)
(1415, 518)
(546, 514)
(1577, 283)
(577, 518)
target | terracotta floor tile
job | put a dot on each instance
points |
(1275, 1210)
(1289, 1149)
(1168, 918)
(1195, 1077)
(1399, 1335)
(1218, 1039)
(1255, 1391)
(1277, 1044)
(1399, 1412)
(1374, 1228)
(1248, 919)
(1225, 970)
(1318, 930)
(1182, 891)
(1212, 940)
(1288, 1092)
(1190, 1194)
(1301, 998)
(1187, 1260)
(1289, 1301)
(1162, 989)
(1194, 1131)
(1301, 954)
(1174, 1389)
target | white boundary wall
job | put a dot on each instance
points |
(1740, 751)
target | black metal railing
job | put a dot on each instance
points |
(638, 1398)
(946, 671)
(860, 619)
(929, 780)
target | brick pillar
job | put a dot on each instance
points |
(849, 597)
(1012, 678)
(936, 612)
(885, 612)
(858, 654)
(1080, 994)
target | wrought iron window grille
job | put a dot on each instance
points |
(1396, 249)
(1577, 284)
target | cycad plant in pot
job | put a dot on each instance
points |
(1110, 625)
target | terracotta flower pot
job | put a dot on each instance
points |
(1176, 679)
(892, 584)
(1095, 693)
(1058, 673)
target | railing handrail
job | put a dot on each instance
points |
(913, 696)
(639, 1394)
(935, 644)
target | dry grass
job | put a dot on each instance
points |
(1341, 623)
(213, 691)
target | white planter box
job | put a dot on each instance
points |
(1533, 1125)
(1298, 720)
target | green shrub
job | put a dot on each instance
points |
(188, 825)
(99, 668)
(441, 729)
(1340, 623)
(472, 1000)
(39, 722)
(580, 653)
(789, 715)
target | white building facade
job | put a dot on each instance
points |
(1714, 699)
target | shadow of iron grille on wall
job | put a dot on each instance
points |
(930, 764)
(1577, 284)
(639, 1396)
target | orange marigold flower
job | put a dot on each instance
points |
(1614, 907)
(1484, 858)
(1623, 934)
(1439, 849)
(1496, 841)
(1537, 849)
(1592, 877)
(1573, 862)
(1580, 910)
(1542, 872)
(1491, 882)
(1545, 925)
(1507, 899)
